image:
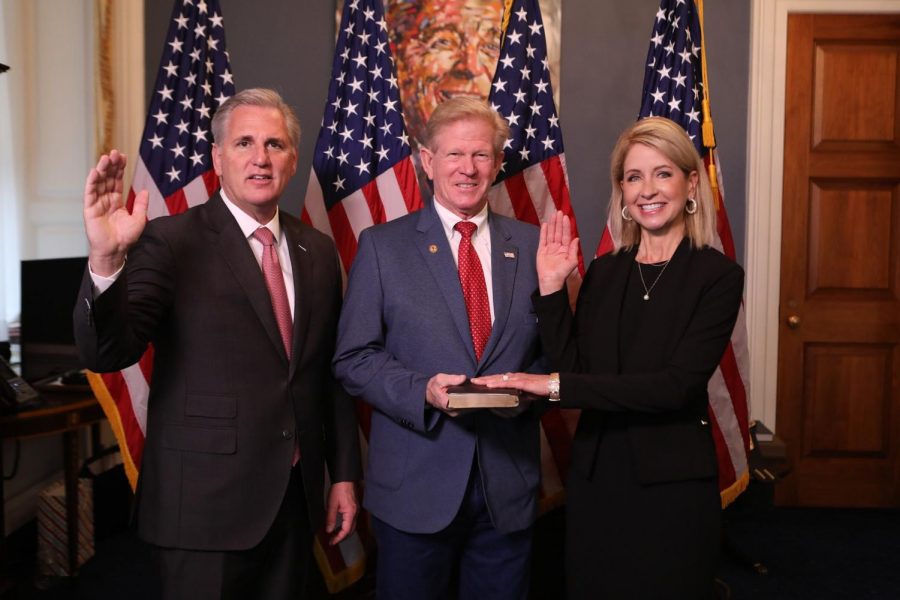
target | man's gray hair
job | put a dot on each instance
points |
(263, 97)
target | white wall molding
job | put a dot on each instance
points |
(765, 160)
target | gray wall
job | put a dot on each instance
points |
(288, 45)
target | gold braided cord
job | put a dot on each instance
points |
(709, 136)
(507, 8)
(106, 100)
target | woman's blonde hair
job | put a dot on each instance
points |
(670, 140)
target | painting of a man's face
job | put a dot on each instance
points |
(444, 48)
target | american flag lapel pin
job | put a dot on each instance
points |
(508, 254)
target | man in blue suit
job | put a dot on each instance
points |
(453, 493)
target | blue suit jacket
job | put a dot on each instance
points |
(404, 320)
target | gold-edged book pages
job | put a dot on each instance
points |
(469, 395)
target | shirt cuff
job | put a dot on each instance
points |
(101, 283)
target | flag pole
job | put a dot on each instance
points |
(709, 136)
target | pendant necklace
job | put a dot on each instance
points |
(647, 290)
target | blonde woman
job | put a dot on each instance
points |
(651, 323)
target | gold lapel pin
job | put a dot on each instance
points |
(433, 248)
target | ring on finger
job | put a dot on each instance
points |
(506, 377)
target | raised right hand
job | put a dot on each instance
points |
(557, 254)
(111, 229)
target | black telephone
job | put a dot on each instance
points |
(15, 393)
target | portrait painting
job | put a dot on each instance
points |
(448, 48)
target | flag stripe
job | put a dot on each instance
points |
(500, 202)
(373, 199)
(344, 238)
(314, 212)
(521, 200)
(142, 180)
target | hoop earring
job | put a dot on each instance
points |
(625, 215)
(690, 207)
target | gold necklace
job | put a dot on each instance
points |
(647, 290)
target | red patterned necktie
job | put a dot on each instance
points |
(471, 276)
(271, 269)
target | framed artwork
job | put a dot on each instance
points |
(446, 48)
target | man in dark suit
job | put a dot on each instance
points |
(240, 302)
(433, 298)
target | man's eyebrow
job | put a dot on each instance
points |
(445, 28)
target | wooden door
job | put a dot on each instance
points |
(839, 337)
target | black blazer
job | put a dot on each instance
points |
(660, 385)
(225, 403)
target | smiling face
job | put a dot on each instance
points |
(462, 164)
(654, 191)
(450, 49)
(255, 160)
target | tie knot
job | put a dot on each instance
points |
(264, 236)
(466, 229)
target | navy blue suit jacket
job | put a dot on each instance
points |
(404, 320)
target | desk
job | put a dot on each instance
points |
(59, 412)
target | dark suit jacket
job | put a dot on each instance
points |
(660, 384)
(225, 403)
(404, 320)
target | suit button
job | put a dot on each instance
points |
(287, 434)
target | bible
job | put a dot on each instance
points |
(470, 395)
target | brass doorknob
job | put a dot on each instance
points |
(793, 321)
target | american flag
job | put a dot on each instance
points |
(674, 87)
(362, 173)
(533, 184)
(175, 166)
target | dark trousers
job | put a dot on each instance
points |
(469, 556)
(276, 568)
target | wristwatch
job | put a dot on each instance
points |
(553, 387)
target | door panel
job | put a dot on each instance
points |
(839, 342)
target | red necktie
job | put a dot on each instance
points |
(271, 269)
(471, 276)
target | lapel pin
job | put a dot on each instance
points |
(509, 254)
(301, 247)
(433, 248)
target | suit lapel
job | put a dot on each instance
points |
(235, 250)
(618, 281)
(504, 264)
(435, 250)
(301, 263)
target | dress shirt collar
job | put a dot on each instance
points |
(448, 220)
(248, 224)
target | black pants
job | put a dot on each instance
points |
(276, 568)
